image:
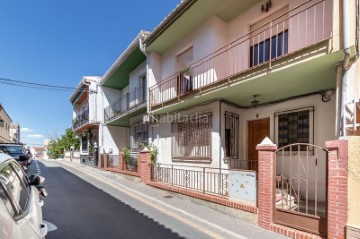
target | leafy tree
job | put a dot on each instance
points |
(64, 142)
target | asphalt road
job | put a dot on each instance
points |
(80, 210)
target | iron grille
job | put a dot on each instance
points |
(192, 138)
(139, 135)
(231, 135)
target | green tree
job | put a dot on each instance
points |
(64, 142)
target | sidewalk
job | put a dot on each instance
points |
(218, 218)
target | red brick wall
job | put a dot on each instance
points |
(337, 188)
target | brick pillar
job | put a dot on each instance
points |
(266, 182)
(145, 165)
(121, 161)
(337, 188)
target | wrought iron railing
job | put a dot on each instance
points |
(81, 119)
(113, 161)
(251, 165)
(299, 28)
(125, 103)
(203, 179)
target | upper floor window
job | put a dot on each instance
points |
(269, 38)
(142, 88)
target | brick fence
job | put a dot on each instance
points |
(337, 190)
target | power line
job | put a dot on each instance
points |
(35, 85)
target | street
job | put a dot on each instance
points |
(80, 210)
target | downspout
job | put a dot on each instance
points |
(346, 65)
(220, 138)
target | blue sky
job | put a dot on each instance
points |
(57, 42)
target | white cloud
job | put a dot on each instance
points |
(26, 130)
(35, 136)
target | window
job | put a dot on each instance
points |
(269, 38)
(11, 149)
(14, 190)
(294, 127)
(277, 46)
(192, 138)
(84, 143)
(142, 95)
(139, 136)
(231, 135)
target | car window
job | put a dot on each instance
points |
(11, 149)
(6, 201)
(15, 186)
(22, 175)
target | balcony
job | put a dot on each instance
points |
(303, 27)
(127, 102)
(81, 119)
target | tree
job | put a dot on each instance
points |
(64, 142)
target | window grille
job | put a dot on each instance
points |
(231, 135)
(192, 138)
(139, 136)
(294, 127)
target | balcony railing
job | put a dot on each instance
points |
(125, 103)
(304, 26)
(81, 119)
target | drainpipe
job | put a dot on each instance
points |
(345, 66)
(220, 139)
(142, 48)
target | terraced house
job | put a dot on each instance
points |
(250, 104)
(225, 75)
(125, 99)
(87, 113)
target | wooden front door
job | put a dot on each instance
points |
(257, 131)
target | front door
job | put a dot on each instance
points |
(257, 131)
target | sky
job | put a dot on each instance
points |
(57, 42)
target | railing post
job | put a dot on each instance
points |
(204, 180)
(172, 175)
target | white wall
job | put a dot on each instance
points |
(134, 77)
(113, 138)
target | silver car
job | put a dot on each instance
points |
(20, 204)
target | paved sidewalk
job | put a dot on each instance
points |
(219, 218)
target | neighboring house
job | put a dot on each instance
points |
(39, 151)
(87, 112)
(15, 132)
(124, 88)
(223, 75)
(5, 122)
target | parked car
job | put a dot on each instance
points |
(20, 204)
(17, 151)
